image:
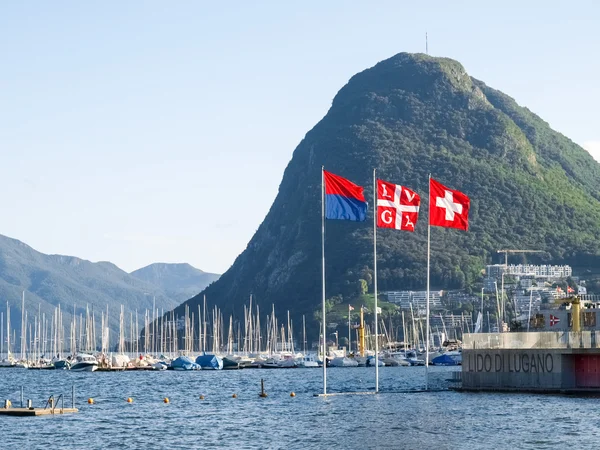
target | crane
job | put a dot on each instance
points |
(506, 252)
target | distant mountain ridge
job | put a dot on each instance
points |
(50, 280)
(179, 280)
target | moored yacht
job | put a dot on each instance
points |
(9, 362)
(307, 361)
(343, 361)
(84, 363)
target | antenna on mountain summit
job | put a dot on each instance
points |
(426, 45)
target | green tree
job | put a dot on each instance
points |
(363, 287)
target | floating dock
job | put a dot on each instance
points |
(21, 412)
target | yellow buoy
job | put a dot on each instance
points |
(234, 396)
(129, 400)
(201, 397)
(166, 400)
(292, 394)
(90, 401)
(262, 395)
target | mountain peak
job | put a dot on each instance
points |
(409, 116)
(427, 76)
(179, 279)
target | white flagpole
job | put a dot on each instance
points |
(323, 329)
(375, 278)
(427, 303)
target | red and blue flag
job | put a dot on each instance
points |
(344, 200)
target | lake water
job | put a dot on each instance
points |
(390, 420)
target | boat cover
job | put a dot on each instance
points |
(444, 360)
(208, 361)
(184, 363)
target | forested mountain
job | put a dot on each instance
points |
(408, 116)
(178, 281)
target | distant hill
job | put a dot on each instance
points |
(50, 280)
(178, 281)
(409, 116)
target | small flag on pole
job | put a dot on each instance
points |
(350, 308)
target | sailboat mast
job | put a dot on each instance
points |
(204, 316)
(303, 335)
(23, 327)
(7, 330)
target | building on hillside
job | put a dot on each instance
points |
(527, 275)
(542, 271)
(453, 300)
(418, 300)
(453, 325)
(523, 299)
(527, 282)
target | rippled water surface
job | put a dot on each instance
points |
(390, 420)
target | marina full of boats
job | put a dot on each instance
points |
(194, 343)
(86, 362)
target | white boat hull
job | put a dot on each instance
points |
(84, 367)
(343, 362)
(307, 364)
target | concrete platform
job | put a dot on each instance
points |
(23, 412)
(401, 391)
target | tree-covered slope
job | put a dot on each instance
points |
(408, 116)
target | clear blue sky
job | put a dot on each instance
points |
(138, 132)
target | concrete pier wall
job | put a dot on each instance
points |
(512, 369)
(536, 361)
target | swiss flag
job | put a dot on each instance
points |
(397, 206)
(447, 207)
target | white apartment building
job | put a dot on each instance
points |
(418, 299)
(542, 271)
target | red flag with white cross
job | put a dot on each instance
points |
(397, 206)
(448, 207)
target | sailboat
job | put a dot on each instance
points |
(84, 363)
(9, 361)
(22, 363)
(306, 361)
